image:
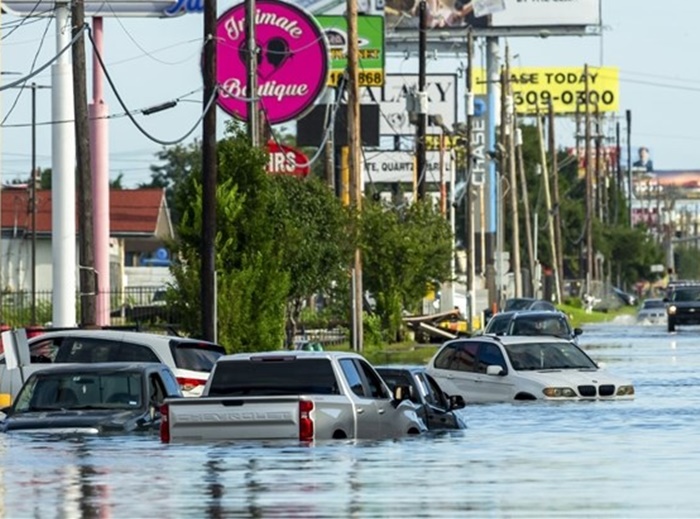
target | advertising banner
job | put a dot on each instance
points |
(370, 31)
(399, 166)
(293, 61)
(441, 90)
(534, 87)
(402, 15)
(285, 160)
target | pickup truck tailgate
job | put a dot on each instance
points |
(233, 418)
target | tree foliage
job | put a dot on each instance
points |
(405, 250)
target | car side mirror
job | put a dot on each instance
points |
(495, 370)
(578, 331)
(457, 402)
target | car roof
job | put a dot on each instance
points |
(511, 339)
(114, 335)
(101, 367)
(529, 313)
(401, 367)
(301, 354)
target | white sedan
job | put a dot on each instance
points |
(510, 368)
(653, 311)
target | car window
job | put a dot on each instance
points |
(656, 303)
(376, 385)
(156, 389)
(444, 357)
(399, 378)
(195, 356)
(490, 355)
(465, 357)
(352, 375)
(85, 350)
(432, 390)
(128, 352)
(498, 325)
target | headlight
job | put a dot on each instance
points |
(559, 392)
(671, 309)
(625, 391)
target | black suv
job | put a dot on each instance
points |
(682, 304)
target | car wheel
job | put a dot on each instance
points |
(671, 326)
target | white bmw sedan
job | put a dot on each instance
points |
(509, 368)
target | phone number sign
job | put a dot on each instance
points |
(565, 87)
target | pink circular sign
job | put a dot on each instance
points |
(293, 60)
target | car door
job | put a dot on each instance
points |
(491, 388)
(437, 407)
(391, 422)
(366, 409)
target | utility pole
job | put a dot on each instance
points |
(628, 115)
(421, 127)
(32, 186)
(88, 308)
(355, 145)
(532, 254)
(209, 176)
(618, 175)
(589, 184)
(550, 218)
(252, 74)
(515, 219)
(469, 196)
(559, 246)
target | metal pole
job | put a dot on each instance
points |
(33, 195)
(509, 120)
(252, 73)
(469, 197)
(492, 199)
(421, 128)
(209, 175)
(559, 246)
(589, 184)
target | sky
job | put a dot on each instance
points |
(152, 61)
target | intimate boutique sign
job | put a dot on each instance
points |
(293, 61)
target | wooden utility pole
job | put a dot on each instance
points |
(531, 252)
(589, 183)
(88, 285)
(209, 177)
(468, 194)
(355, 144)
(550, 218)
(556, 202)
(628, 116)
(515, 219)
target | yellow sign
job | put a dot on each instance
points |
(367, 77)
(565, 87)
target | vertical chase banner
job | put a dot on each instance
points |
(292, 63)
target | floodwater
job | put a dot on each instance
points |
(638, 458)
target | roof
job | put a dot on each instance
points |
(132, 211)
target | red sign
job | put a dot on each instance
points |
(286, 160)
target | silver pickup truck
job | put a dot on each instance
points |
(296, 395)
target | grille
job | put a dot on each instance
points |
(586, 390)
(606, 390)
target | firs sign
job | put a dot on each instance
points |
(293, 61)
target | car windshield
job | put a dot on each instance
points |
(518, 304)
(686, 294)
(653, 303)
(555, 325)
(534, 356)
(63, 391)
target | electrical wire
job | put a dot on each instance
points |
(208, 106)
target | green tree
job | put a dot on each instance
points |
(311, 226)
(252, 280)
(405, 250)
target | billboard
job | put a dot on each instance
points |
(116, 8)
(292, 70)
(399, 166)
(402, 15)
(534, 87)
(441, 90)
(370, 31)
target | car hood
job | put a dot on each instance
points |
(89, 421)
(572, 377)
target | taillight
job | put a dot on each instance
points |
(188, 384)
(306, 423)
(165, 423)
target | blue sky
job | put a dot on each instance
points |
(152, 61)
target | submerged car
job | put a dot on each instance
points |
(434, 406)
(532, 322)
(507, 369)
(104, 398)
(652, 311)
(190, 359)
